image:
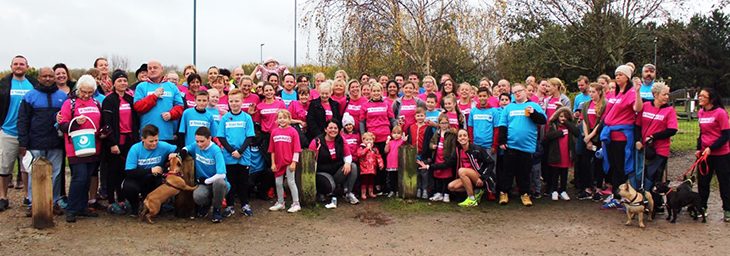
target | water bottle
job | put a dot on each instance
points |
(334, 200)
(599, 153)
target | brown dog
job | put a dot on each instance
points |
(172, 185)
(633, 200)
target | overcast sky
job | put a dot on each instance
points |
(229, 31)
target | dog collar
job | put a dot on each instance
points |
(164, 181)
(179, 174)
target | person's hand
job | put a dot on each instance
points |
(115, 150)
(422, 165)
(59, 118)
(589, 145)
(479, 183)
(235, 154)
(503, 146)
(166, 116)
(587, 139)
(171, 156)
(304, 125)
(576, 114)
(530, 109)
(387, 141)
(81, 120)
(21, 151)
(319, 144)
(706, 152)
(159, 92)
(493, 151)
(293, 167)
(401, 122)
(368, 147)
(156, 170)
(405, 137)
(273, 168)
(252, 109)
(346, 169)
(434, 147)
(557, 103)
(697, 154)
(639, 146)
(201, 180)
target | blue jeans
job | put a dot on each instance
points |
(55, 156)
(78, 191)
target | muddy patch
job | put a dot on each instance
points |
(374, 219)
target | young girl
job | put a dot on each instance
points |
(370, 161)
(456, 119)
(560, 139)
(284, 147)
(351, 137)
(270, 66)
(355, 102)
(338, 94)
(593, 167)
(391, 148)
(465, 102)
(442, 144)
(219, 83)
(298, 110)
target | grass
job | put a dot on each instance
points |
(686, 137)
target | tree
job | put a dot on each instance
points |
(119, 62)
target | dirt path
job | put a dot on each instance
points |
(380, 227)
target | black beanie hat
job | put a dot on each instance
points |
(117, 74)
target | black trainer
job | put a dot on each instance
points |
(70, 218)
(4, 204)
(87, 213)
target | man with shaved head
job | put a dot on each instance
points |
(36, 131)
(236, 77)
(158, 102)
(12, 89)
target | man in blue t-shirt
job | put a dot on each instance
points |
(194, 118)
(648, 74)
(143, 168)
(210, 173)
(13, 88)
(579, 99)
(158, 102)
(518, 137)
(288, 94)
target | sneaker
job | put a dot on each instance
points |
(554, 196)
(608, 198)
(29, 212)
(446, 198)
(203, 211)
(70, 218)
(57, 210)
(115, 209)
(585, 195)
(63, 202)
(418, 193)
(4, 204)
(526, 200)
(391, 194)
(424, 195)
(597, 197)
(606, 192)
(95, 206)
(18, 185)
(277, 207)
(437, 197)
(295, 208)
(727, 216)
(613, 204)
(332, 204)
(503, 198)
(478, 195)
(217, 216)
(246, 210)
(101, 194)
(622, 209)
(228, 212)
(468, 202)
(536, 195)
(351, 198)
(26, 201)
(564, 196)
(87, 213)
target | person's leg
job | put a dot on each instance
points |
(523, 166)
(131, 189)
(279, 181)
(393, 181)
(219, 189)
(467, 178)
(103, 175)
(352, 177)
(703, 181)
(599, 176)
(77, 191)
(55, 156)
(93, 186)
(723, 177)
(291, 180)
(64, 164)
(616, 159)
(243, 186)
(203, 195)
(115, 166)
(8, 155)
(563, 179)
(587, 177)
(233, 174)
(456, 186)
(381, 176)
(553, 179)
(423, 179)
(535, 175)
(507, 176)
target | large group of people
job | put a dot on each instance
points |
(245, 133)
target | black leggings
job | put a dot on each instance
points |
(442, 185)
(381, 176)
(616, 154)
(719, 165)
(592, 171)
(263, 181)
(115, 174)
(238, 177)
(132, 188)
(393, 181)
(556, 173)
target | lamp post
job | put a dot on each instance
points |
(655, 51)
(195, 11)
(295, 38)
(262, 53)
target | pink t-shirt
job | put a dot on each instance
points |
(313, 94)
(298, 111)
(408, 112)
(465, 163)
(620, 111)
(125, 117)
(712, 123)
(87, 108)
(352, 142)
(535, 99)
(466, 109)
(251, 99)
(327, 111)
(266, 114)
(551, 107)
(331, 148)
(284, 142)
(493, 102)
(592, 115)
(393, 153)
(223, 104)
(653, 120)
(565, 161)
(441, 173)
(424, 96)
(354, 109)
(453, 120)
(341, 100)
(377, 116)
(189, 100)
(388, 101)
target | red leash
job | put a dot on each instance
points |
(699, 165)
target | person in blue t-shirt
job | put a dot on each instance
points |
(482, 119)
(581, 97)
(648, 74)
(194, 118)
(210, 173)
(259, 180)
(158, 102)
(144, 166)
(518, 137)
(235, 133)
(288, 94)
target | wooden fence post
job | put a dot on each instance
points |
(184, 204)
(42, 184)
(407, 171)
(306, 177)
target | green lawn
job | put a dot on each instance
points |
(686, 137)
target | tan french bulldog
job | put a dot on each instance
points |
(633, 200)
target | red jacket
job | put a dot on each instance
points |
(370, 160)
(416, 136)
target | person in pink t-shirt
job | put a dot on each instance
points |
(456, 119)
(713, 143)
(265, 114)
(249, 99)
(338, 94)
(404, 109)
(394, 141)
(465, 101)
(219, 83)
(355, 102)
(377, 117)
(429, 84)
(560, 139)
(592, 175)
(298, 110)
(391, 92)
(194, 84)
(284, 148)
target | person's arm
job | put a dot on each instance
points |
(665, 134)
(144, 105)
(23, 124)
(722, 140)
(572, 128)
(448, 162)
(227, 146)
(638, 103)
(363, 126)
(245, 145)
(214, 178)
(176, 112)
(553, 134)
(502, 135)
(538, 118)
(495, 138)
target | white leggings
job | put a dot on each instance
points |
(292, 187)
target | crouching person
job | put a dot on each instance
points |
(210, 173)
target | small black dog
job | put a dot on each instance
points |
(681, 196)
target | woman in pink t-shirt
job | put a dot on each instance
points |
(365, 91)
(265, 114)
(658, 122)
(404, 109)
(338, 94)
(249, 99)
(391, 92)
(194, 84)
(355, 102)
(713, 141)
(377, 117)
(592, 167)
(447, 88)
(429, 84)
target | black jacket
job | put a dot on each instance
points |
(316, 118)
(479, 160)
(552, 140)
(5, 83)
(37, 117)
(110, 116)
(325, 163)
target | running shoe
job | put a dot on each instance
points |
(468, 202)
(613, 204)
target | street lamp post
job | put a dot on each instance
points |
(195, 11)
(655, 50)
(262, 53)
(295, 38)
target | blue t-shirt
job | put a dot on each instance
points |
(645, 91)
(256, 159)
(433, 116)
(483, 122)
(18, 89)
(99, 97)
(579, 99)
(191, 120)
(208, 162)
(288, 97)
(142, 158)
(170, 98)
(521, 131)
(236, 128)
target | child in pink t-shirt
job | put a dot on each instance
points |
(284, 147)
(350, 135)
(391, 148)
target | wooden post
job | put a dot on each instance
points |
(306, 177)
(42, 184)
(184, 204)
(407, 171)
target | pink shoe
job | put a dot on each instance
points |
(606, 192)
